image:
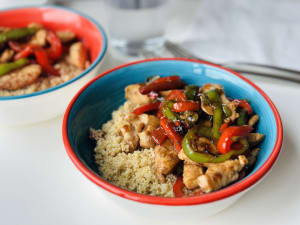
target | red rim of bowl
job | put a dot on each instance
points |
(211, 197)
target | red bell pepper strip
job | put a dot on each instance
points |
(28, 50)
(178, 187)
(223, 127)
(160, 111)
(56, 49)
(245, 105)
(176, 95)
(168, 79)
(159, 136)
(169, 129)
(15, 46)
(146, 108)
(186, 106)
(43, 60)
(225, 142)
(161, 86)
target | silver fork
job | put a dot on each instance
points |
(240, 67)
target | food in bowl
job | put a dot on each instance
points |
(35, 58)
(173, 140)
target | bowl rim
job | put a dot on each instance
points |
(207, 198)
(85, 72)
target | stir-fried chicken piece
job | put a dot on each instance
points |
(130, 136)
(234, 114)
(253, 120)
(255, 138)
(21, 77)
(150, 124)
(252, 156)
(137, 130)
(39, 38)
(219, 175)
(66, 36)
(78, 55)
(165, 159)
(224, 100)
(133, 94)
(190, 174)
(204, 144)
(35, 25)
(6, 55)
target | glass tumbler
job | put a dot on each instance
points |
(135, 26)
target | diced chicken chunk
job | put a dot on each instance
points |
(133, 94)
(252, 156)
(253, 120)
(6, 55)
(150, 124)
(39, 38)
(35, 25)
(234, 114)
(66, 36)
(78, 55)
(130, 136)
(255, 138)
(219, 175)
(165, 159)
(21, 77)
(190, 174)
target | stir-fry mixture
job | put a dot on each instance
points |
(36, 55)
(197, 134)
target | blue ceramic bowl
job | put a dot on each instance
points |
(93, 104)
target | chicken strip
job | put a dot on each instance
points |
(219, 175)
(150, 123)
(39, 38)
(190, 174)
(133, 94)
(165, 160)
(20, 78)
(130, 136)
(252, 156)
(66, 35)
(78, 55)
(6, 55)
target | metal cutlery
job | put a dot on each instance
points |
(240, 67)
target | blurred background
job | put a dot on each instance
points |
(222, 30)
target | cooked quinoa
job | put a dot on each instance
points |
(133, 171)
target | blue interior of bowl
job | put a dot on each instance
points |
(95, 105)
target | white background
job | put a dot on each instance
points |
(40, 185)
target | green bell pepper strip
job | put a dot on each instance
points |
(15, 34)
(198, 157)
(190, 92)
(242, 120)
(214, 97)
(7, 67)
(167, 112)
(226, 110)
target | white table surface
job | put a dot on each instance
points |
(40, 185)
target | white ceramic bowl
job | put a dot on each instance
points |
(47, 104)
